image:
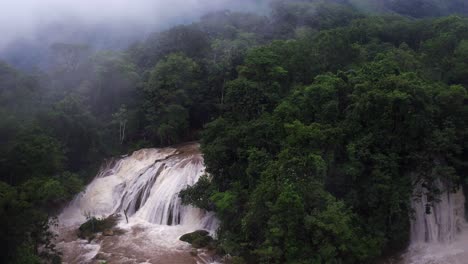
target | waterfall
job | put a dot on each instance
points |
(438, 227)
(145, 186)
(439, 220)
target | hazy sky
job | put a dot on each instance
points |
(25, 18)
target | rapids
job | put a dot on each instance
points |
(145, 186)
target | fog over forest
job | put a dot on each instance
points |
(26, 18)
(233, 131)
(29, 27)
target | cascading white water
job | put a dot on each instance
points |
(438, 228)
(439, 221)
(145, 186)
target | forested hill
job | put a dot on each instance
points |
(28, 51)
(315, 122)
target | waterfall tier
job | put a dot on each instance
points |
(439, 233)
(440, 220)
(144, 186)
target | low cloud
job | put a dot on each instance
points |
(27, 19)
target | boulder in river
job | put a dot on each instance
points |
(198, 239)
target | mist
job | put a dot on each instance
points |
(30, 26)
(26, 18)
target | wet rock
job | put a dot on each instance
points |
(201, 242)
(95, 225)
(212, 245)
(198, 239)
(100, 256)
(108, 232)
(118, 231)
(190, 237)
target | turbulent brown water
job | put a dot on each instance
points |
(145, 185)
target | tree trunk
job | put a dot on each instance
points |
(126, 217)
(123, 132)
(222, 91)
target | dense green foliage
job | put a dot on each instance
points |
(322, 138)
(315, 124)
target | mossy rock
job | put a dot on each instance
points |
(212, 245)
(190, 237)
(198, 239)
(201, 242)
(95, 225)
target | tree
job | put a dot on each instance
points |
(121, 118)
(114, 83)
(227, 55)
(34, 153)
(171, 91)
(71, 122)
